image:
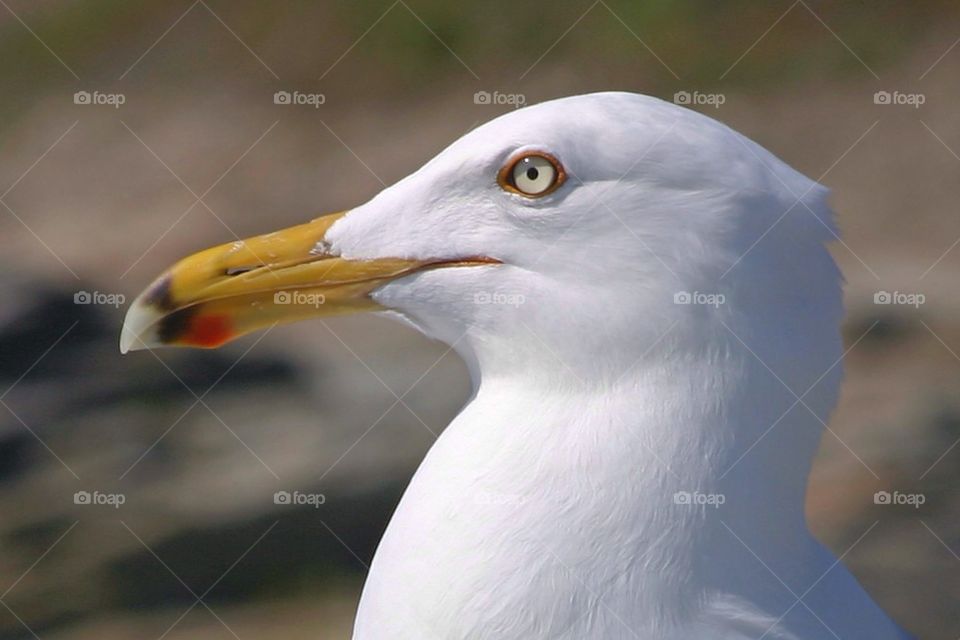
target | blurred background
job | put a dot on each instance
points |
(137, 493)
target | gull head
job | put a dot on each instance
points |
(579, 234)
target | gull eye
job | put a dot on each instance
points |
(532, 174)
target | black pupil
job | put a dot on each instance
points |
(532, 173)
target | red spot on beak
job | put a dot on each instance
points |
(208, 331)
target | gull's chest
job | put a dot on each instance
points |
(506, 533)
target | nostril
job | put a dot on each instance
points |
(236, 271)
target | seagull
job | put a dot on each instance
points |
(649, 314)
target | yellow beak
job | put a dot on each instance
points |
(227, 291)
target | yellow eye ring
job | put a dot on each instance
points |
(532, 174)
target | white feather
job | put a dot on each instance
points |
(547, 509)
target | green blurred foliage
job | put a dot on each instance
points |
(299, 39)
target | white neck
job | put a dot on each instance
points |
(537, 497)
(552, 506)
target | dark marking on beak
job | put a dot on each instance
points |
(176, 325)
(159, 295)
